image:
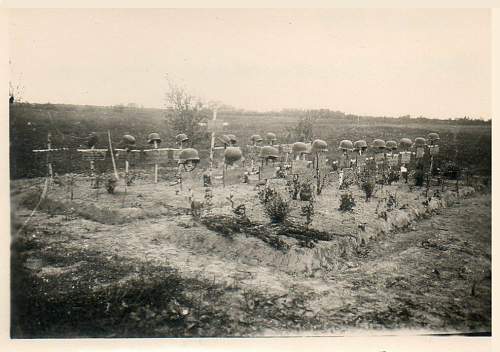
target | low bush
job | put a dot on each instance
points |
(368, 187)
(419, 177)
(308, 212)
(347, 202)
(275, 206)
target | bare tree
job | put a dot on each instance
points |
(303, 131)
(15, 89)
(15, 93)
(184, 114)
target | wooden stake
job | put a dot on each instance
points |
(224, 166)
(49, 163)
(92, 171)
(126, 174)
(318, 181)
(72, 181)
(112, 156)
(212, 143)
(156, 165)
(429, 175)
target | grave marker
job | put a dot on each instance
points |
(51, 154)
(300, 167)
(233, 175)
(405, 157)
(420, 152)
(379, 158)
(267, 172)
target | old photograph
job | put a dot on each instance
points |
(249, 172)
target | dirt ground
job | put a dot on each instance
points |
(75, 271)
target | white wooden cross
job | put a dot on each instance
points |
(49, 152)
(159, 155)
(214, 126)
(92, 155)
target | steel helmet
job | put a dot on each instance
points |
(225, 139)
(270, 136)
(360, 145)
(232, 154)
(392, 145)
(181, 137)
(269, 152)
(232, 138)
(154, 137)
(299, 148)
(128, 139)
(319, 146)
(405, 142)
(378, 143)
(433, 137)
(189, 154)
(420, 142)
(346, 145)
(92, 140)
(256, 138)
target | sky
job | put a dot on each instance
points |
(435, 62)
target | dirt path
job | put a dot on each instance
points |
(436, 276)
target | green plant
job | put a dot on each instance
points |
(293, 187)
(275, 206)
(348, 179)
(208, 197)
(368, 187)
(130, 179)
(265, 195)
(347, 202)
(308, 212)
(306, 191)
(392, 202)
(392, 176)
(419, 176)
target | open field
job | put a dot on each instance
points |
(466, 143)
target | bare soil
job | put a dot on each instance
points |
(157, 271)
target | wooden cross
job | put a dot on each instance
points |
(158, 155)
(214, 126)
(49, 153)
(92, 155)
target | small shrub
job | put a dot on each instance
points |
(392, 176)
(265, 194)
(322, 182)
(130, 179)
(111, 184)
(308, 212)
(281, 173)
(368, 187)
(275, 206)
(347, 202)
(240, 211)
(294, 187)
(392, 202)
(306, 192)
(208, 197)
(348, 179)
(419, 177)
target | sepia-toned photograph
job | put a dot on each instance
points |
(250, 172)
